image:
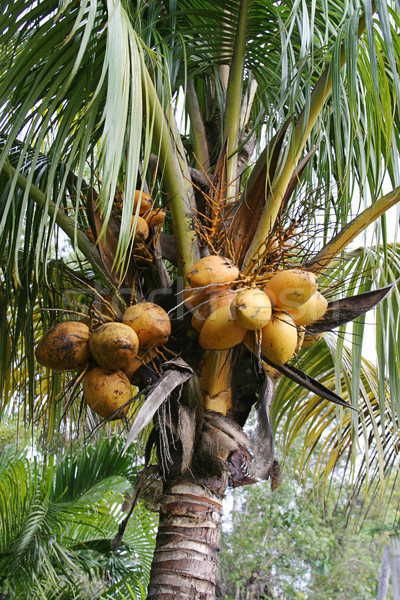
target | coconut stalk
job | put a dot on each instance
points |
(177, 191)
(185, 562)
(234, 100)
(65, 223)
(197, 127)
(284, 175)
(216, 380)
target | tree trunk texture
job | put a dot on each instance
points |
(185, 562)
(385, 574)
(394, 545)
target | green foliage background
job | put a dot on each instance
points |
(284, 545)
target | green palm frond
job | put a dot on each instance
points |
(57, 523)
(327, 431)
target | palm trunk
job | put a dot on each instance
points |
(185, 562)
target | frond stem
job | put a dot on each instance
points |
(65, 223)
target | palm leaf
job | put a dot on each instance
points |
(57, 525)
(327, 431)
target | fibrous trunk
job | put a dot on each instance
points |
(185, 562)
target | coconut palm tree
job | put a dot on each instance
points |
(269, 135)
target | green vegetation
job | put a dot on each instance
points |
(58, 517)
(285, 544)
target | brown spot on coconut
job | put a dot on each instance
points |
(279, 338)
(220, 330)
(114, 345)
(310, 311)
(251, 309)
(291, 288)
(150, 322)
(106, 391)
(211, 270)
(64, 347)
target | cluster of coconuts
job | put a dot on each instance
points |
(117, 348)
(148, 215)
(280, 311)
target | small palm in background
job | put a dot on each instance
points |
(58, 518)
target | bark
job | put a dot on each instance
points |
(185, 562)
(385, 574)
(394, 545)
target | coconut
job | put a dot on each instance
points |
(291, 288)
(209, 304)
(142, 229)
(155, 217)
(311, 338)
(150, 322)
(279, 338)
(192, 297)
(213, 270)
(105, 391)
(252, 309)
(64, 347)
(220, 330)
(114, 345)
(145, 200)
(310, 311)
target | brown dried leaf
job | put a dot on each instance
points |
(340, 312)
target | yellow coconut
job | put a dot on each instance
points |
(192, 297)
(155, 217)
(114, 345)
(291, 288)
(311, 338)
(106, 391)
(209, 304)
(279, 338)
(145, 200)
(310, 311)
(65, 346)
(150, 322)
(251, 309)
(142, 229)
(220, 330)
(212, 270)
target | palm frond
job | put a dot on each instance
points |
(56, 530)
(333, 435)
